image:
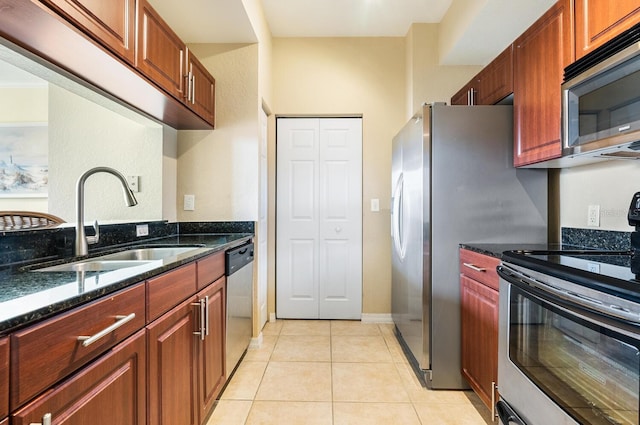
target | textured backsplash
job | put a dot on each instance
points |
(21, 247)
(596, 239)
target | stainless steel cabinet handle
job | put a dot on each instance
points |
(493, 401)
(206, 310)
(193, 89)
(120, 320)
(203, 318)
(46, 420)
(474, 267)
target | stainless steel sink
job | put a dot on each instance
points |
(93, 266)
(148, 254)
(119, 260)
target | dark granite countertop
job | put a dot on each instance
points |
(496, 249)
(27, 296)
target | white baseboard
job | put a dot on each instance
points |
(376, 318)
(256, 342)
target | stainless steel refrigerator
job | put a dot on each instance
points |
(453, 182)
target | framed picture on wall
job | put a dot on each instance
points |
(24, 160)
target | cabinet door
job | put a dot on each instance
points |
(109, 391)
(161, 55)
(201, 98)
(4, 377)
(112, 23)
(598, 21)
(495, 82)
(479, 343)
(465, 96)
(172, 375)
(540, 56)
(211, 361)
(36, 369)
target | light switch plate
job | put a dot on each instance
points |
(189, 202)
(375, 205)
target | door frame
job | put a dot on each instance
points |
(275, 197)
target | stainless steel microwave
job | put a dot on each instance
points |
(601, 106)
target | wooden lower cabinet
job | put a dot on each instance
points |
(186, 369)
(4, 421)
(479, 302)
(479, 337)
(211, 353)
(172, 378)
(112, 390)
(4, 377)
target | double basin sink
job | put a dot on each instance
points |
(119, 260)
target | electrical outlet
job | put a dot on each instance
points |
(189, 202)
(593, 216)
(134, 183)
(142, 230)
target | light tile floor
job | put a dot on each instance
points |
(336, 373)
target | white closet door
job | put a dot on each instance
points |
(340, 232)
(319, 218)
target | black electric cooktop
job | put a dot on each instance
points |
(611, 271)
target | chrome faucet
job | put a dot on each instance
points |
(82, 240)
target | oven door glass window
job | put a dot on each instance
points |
(590, 371)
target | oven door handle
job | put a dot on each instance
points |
(507, 415)
(522, 280)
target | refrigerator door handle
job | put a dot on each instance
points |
(397, 222)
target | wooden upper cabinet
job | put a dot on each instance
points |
(496, 79)
(465, 95)
(161, 55)
(491, 85)
(4, 377)
(540, 55)
(598, 21)
(112, 23)
(202, 95)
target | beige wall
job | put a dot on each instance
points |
(352, 76)
(383, 79)
(220, 167)
(429, 81)
(610, 184)
(83, 135)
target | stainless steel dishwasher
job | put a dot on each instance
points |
(239, 272)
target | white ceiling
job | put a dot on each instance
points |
(483, 33)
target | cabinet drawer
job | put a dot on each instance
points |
(210, 269)
(168, 290)
(480, 267)
(110, 391)
(45, 353)
(4, 377)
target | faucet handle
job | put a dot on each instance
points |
(95, 238)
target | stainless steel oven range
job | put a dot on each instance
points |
(569, 343)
